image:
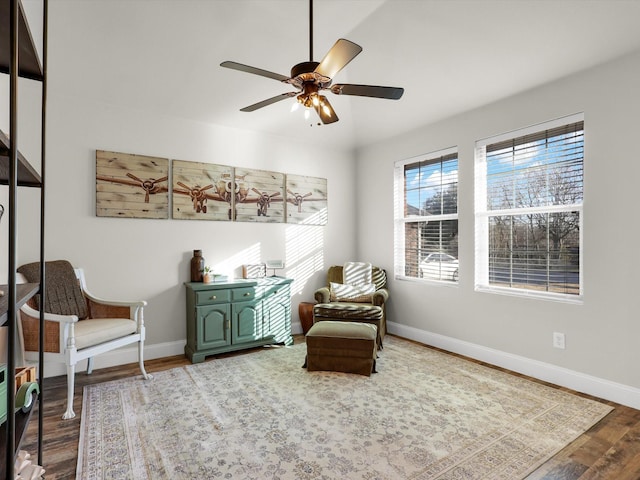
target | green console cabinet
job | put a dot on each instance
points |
(239, 314)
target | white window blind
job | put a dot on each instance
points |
(529, 191)
(426, 217)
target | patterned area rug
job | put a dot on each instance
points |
(424, 415)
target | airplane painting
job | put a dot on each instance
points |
(137, 186)
(260, 196)
(306, 200)
(201, 191)
(131, 186)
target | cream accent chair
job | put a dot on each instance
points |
(78, 325)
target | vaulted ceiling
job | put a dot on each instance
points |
(163, 56)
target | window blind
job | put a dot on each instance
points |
(426, 217)
(528, 230)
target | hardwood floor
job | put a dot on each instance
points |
(610, 450)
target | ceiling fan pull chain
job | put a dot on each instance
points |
(311, 30)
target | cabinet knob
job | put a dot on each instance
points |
(213, 297)
(247, 294)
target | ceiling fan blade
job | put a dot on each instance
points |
(342, 52)
(376, 91)
(268, 101)
(256, 71)
(328, 114)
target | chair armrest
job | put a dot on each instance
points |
(101, 308)
(137, 304)
(113, 303)
(60, 330)
(380, 297)
(35, 314)
(322, 295)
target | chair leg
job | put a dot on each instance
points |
(69, 413)
(147, 376)
(89, 365)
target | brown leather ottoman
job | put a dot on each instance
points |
(336, 346)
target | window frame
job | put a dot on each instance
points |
(483, 214)
(401, 220)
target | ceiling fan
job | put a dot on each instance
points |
(311, 78)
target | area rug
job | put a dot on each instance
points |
(259, 415)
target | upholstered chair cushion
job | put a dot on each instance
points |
(340, 292)
(347, 311)
(95, 331)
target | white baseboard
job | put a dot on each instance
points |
(580, 382)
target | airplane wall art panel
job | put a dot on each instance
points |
(306, 200)
(202, 191)
(131, 186)
(259, 196)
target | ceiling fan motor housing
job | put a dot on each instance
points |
(304, 67)
(305, 73)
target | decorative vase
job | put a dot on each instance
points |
(197, 265)
(207, 278)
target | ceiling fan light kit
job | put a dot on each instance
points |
(310, 78)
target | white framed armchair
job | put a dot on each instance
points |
(78, 325)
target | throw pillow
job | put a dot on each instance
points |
(340, 292)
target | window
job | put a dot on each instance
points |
(426, 217)
(529, 190)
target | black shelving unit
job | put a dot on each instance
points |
(19, 59)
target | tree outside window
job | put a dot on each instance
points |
(529, 211)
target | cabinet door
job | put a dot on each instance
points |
(246, 324)
(213, 326)
(277, 314)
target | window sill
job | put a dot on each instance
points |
(513, 292)
(428, 281)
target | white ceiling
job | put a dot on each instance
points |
(449, 55)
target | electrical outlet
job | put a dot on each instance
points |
(558, 340)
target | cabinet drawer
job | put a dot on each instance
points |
(207, 297)
(243, 294)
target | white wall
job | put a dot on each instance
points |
(602, 335)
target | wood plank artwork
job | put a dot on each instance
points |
(201, 191)
(131, 186)
(259, 196)
(137, 186)
(306, 200)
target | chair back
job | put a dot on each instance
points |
(378, 276)
(63, 293)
